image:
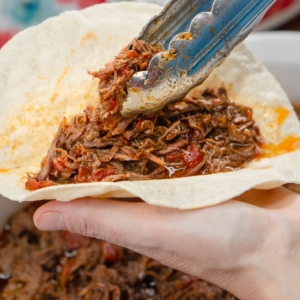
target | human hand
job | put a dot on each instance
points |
(251, 251)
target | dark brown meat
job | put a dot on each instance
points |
(197, 135)
(60, 265)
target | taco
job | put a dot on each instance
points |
(44, 81)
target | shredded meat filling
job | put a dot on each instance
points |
(199, 135)
(40, 265)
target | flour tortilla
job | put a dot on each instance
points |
(43, 78)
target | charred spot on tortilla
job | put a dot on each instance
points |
(201, 134)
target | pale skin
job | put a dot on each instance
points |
(250, 248)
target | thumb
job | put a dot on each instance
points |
(121, 223)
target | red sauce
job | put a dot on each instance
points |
(192, 156)
(85, 176)
(101, 173)
(174, 156)
(82, 175)
(32, 184)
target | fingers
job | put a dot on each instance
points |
(127, 224)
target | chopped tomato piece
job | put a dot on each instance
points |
(124, 71)
(132, 54)
(112, 104)
(194, 134)
(47, 183)
(192, 156)
(60, 162)
(173, 156)
(74, 241)
(33, 184)
(109, 252)
(82, 175)
(100, 174)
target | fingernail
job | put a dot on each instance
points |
(51, 221)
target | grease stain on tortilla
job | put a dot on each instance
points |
(282, 114)
(64, 73)
(89, 94)
(58, 83)
(3, 141)
(87, 37)
(53, 98)
(13, 149)
(38, 123)
(289, 144)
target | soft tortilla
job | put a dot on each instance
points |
(43, 78)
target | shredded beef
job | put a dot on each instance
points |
(36, 265)
(199, 135)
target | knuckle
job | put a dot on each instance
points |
(152, 234)
(83, 225)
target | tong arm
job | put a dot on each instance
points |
(174, 18)
(191, 55)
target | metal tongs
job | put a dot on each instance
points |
(199, 35)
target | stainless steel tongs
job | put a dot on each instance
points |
(199, 35)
